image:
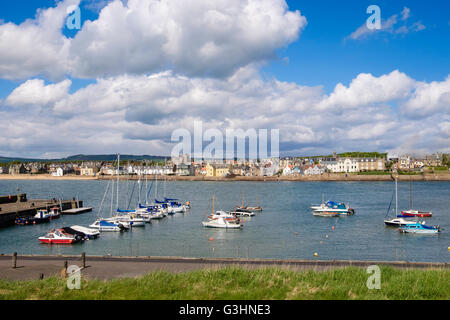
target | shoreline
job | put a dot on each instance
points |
(324, 177)
(107, 267)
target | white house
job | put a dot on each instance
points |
(58, 173)
(313, 170)
(341, 165)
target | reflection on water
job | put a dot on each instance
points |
(285, 229)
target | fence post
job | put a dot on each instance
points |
(14, 260)
(83, 259)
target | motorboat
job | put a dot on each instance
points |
(41, 216)
(81, 235)
(223, 223)
(59, 236)
(242, 212)
(332, 208)
(419, 228)
(89, 232)
(107, 225)
(398, 222)
(54, 213)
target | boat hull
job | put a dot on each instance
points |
(57, 241)
(211, 224)
(415, 214)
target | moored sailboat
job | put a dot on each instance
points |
(221, 219)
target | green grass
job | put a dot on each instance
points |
(241, 283)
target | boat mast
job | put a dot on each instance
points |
(112, 196)
(213, 206)
(242, 198)
(396, 198)
(139, 186)
(410, 194)
(118, 168)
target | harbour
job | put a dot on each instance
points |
(285, 229)
(13, 206)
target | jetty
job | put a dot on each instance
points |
(13, 206)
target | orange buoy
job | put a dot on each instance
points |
(332, 228)
(211, 239)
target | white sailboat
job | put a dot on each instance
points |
(110, 224)
(397, 221)
(221, 219)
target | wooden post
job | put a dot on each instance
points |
(83, 259)
(14, 260)
(41, 276)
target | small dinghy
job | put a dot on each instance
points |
(59, 236)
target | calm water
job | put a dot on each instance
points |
(271, 234)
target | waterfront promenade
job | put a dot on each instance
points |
(30, 267)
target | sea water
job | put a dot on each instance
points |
(286, 228)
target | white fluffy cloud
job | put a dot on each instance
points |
(366, 89)
(36, 47)
(36, 93)
(195, 37)
(137, 113)
(429, 98)
(389, 26)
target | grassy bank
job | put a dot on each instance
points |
(241, 283)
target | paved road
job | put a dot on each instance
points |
(30, 267)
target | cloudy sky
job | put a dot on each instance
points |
(139, 69)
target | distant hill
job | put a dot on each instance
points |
(6, 160)
(84, 157)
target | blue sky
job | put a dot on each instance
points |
(330, 50)
(322, 56)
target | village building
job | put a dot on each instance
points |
(338, 165)
(371, 164)
(4, 169)
(17, 169)
(88, 170)
(313, 169)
